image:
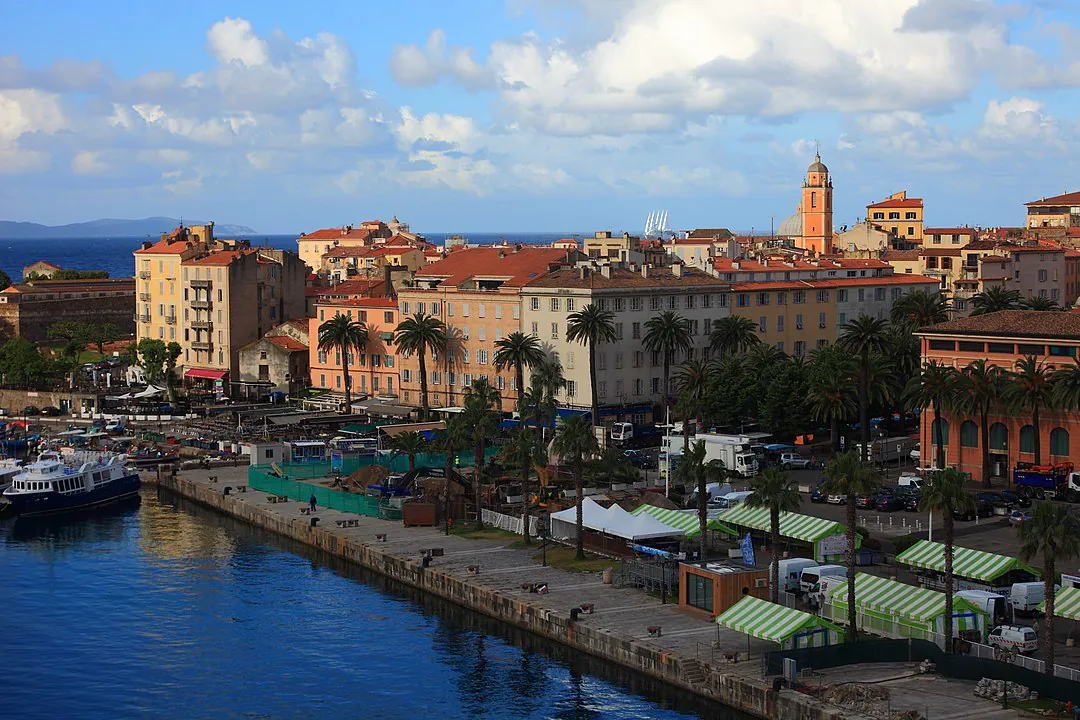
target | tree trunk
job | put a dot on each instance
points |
(345, 372)
(948, 522)
(667, 380)
(579, 487)
(1038, 439)
(774, 523)
(702, 508)
(423, 386)
(449, 466)
(592, 385)
(984, 431)
(412, 462)
(1048, 619)
(525, 495)
(864, 418)
(686, 435)
(834, 432)
(478, 457)
(521, 390)
(939, 451)
(853, 629)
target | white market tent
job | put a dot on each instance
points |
(150, 391)
(610, 521)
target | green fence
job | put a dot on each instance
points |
(260, 477)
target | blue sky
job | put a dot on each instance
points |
(544, 115)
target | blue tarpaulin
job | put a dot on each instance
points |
(779, 447)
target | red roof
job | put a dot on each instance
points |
(221, 257)
(777, 265)
(830, 283)
(205, 373)
(1072, 198)
(1072, 253)
(897, 255)
(351, 287)
(45, 262)
(365, 302)
(514, 267)
(949, 231)
(905, 203)
(288, 343)
(939, 252)
(337, 234)
(164, 247)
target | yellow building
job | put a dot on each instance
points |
(900, 216)
(345, 262)
(605, 244)
(157, 280)
(312, 246)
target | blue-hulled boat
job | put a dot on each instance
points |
(53, 485)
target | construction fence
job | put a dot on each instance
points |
(510, 523)
(263, 478)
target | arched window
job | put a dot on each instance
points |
(969, 434)
(999, 437)
(944, 432)
(1059, 442)
(813, 199)
(1027, 439)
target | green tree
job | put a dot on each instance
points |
(575, 443)
(783, 406)
(481, 402)
(732, 394)
(158, 361)
(775, 490)
(695, 471)
(667, 334)
(1030, 386)
(452, 352)
(410, 444)
(74, 334)
(944, 494)
(21, 363)
(102, 333)
(341, 334)
(733, 334)
(518, 350)
(920, 308)
(519, 453)
(69, 274)
(691, 384)
(936, 388)
(589, 327)
(5, 280)
(867, 337)
(453, 438)
(1054, 533)
(611, 466)
(1040, 303)
(831, 390)
(979, 389)
(849, 476)
(994, 299)
(420, 335)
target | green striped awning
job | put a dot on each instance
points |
(766, 620)
(967, 563)
(792, 525)
(684, 520)
(1066, 603)
(897, 599)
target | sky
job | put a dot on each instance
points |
(533, 115)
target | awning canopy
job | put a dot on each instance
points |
(769, 621)
(792, 525)
(616, 521)
(395, 430)
(685, 520)
(205, 373)
(896, 599)
(150, 391)
(1066, 603)
(967, 563)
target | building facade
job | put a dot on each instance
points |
(28, 309)
(900, 216)
(373, 372)
(277, 362)
(1060, 211)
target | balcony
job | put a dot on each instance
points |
(198, 345)
(144, 318)
(201, 304)
(170, 319)
(201, 284)
(144, 274)
(201, 325)
(144, 296)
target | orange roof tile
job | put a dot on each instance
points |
(514, 267)
(949, 231)
(337, 234)
(1072, 198)
(831, 283)
(904, 203)
(290, 344)
(221, 257)
(377, 302)
(164, 247)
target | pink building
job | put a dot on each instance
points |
(372, 372)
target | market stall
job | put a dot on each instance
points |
(973, 569)
(791, 629)
(825, 539)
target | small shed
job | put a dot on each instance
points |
(825, 539)
(791, 629)
(894, 609)
(263, 453)
(713, 587)
(974, 569)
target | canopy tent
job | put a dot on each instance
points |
(685, 520)
(395, 430)
(895, 609)
(769, 621)
(792, 525)
(1066, 604)
(150, 391)
(610, 521)
(358, 428)
(967, 563)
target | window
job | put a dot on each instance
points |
(481, 310)
(821, 320)
(601, 388)
(534, 303)
(780, 323)
(941, 426)
(569, 359)
(781, 298)
(465, 333)
(517, 312)
(969, 434)
(706, 301)
(879, 294)
(969, 346)
(1002, 348)
(1027, 439)
(879, 216)
(937, 239)
(635, 331)
(911, 230)
(1042, 276)
(841, 319)
(498, 312)
(570, 305)
(911, 216)
(798, 297)
(500, 382)
(481, 357)
(763, 324)
(699, 592)
(896, 293)
(763, 298)
(618, 361)
(655, 385)
(862, 294)
(999, 438)
(743, 300)
(655, 302)
(571, 388)
(464, 310)
(894, 216)
(635, 303)
(601, 361)
(449, 310)
(498, 333)
(1059, 442)
(822, 296)
(798, 322)
(466, 380)
(406, 375)
(638, 386)
(536, 329)
(1025, 349)
(555, 305)
(618, 331)
(1062, 350)
(639, 358)
(620, 304)
(800, 348)
(841, 296)
(436, 377)
(672, 302)
(554, 331)
(690, 301)
(723, 299)
(481, 333)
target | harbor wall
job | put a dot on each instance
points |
(749, 695)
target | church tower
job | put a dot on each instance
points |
(817, 210)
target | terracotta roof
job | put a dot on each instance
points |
(1072, 198)
(939, 252)
(1042, 247)
(1013, 323)
(994, 259)
(570, 277)
(514, 268)
(901, 254)
(221, 257)
(360, 302)
(777, 264)
(905, 203)
(69, 286)
(299, 323)
(164, 247)
(45, 262)
(832, 283)
(982, 245)
(288, 343)
(711, 234)
(949, 231)
(351, 287)
(337, 234)
(1072, 253)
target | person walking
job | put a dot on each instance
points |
(312, 502)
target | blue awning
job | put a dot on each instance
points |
(570, 412)
(779, 447)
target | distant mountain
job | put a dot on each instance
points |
(152, 226)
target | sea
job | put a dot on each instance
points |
(114, 255)
(165, 609)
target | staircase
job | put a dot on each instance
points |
(692, 672)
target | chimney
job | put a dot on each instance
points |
(644, 270)
(605, 270)
(388, 291)
(735, 265)
(765, 262)
(582, 272)
(677, 270)
(146, 245)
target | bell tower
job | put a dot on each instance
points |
(817, 210)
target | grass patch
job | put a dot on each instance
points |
(1042, 706)
(90, 356)
(564, 559)
(469, 530)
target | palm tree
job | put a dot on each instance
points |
(692, 384)
(775, 490)
(695, 471)
(994, 299)
(520, 453)
(920, 308)
(866, 336)
(733, 334)
(518, 350)
(612, 466)
(761, 356)
(1031, 387)
(668, 333)
(454, 437)
(481, 399)
(342, 334)
(934, 387)
(1067, 386)
(455, 345)
(832, 392)
(1054, 533)
(978, 389)
(410, 444)
(575, 443)
(421, 334)
(944, 494)
(848, 475)
(589, 326)
(1039, 303)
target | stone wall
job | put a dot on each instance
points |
(749, 695)
(31, 319)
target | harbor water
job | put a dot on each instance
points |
(164, 609)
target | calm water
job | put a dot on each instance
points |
(114, 254)
(167, 610)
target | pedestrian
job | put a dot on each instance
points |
(312, 502)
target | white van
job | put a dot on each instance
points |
(1025, 597)
(734, 498)
(993, 604)
(1016, 638)
(789, 572)
(912, 481)
(825, 584)
(810, 577)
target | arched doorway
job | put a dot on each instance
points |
(999, 450)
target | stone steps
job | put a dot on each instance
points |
(692, 672)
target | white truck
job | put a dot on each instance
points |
(888, 450)
(732, 450)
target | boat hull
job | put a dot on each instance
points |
(29, 505)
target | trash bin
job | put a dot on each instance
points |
(608, 575)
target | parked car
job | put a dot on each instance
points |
(51, 411)
(818, 495)
(31, 410)
(836, 499)
(864, 502)
(980, 509)
(1015, 499)
(1019, 517)
(1000, 505)
(791, 460)
(887, 502)
(916, 453)
(1014, 638)
(911, 502)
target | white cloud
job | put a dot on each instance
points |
(24, 113)
(232, 39)
(415, 66)
(88, 163)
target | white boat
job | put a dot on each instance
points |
(53, 485)
(9, 468)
